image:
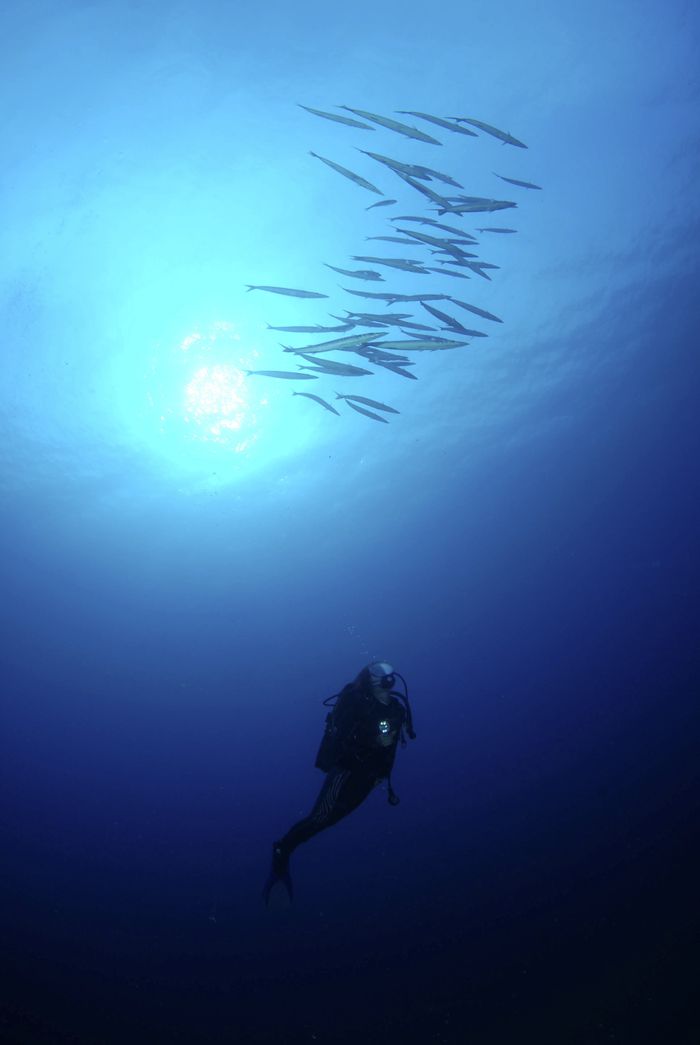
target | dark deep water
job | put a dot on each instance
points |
(522, 544)
(536, 883)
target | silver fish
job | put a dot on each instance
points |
(461, 242)
(450, 124)
(338, 119)
(393, 298)
(432, 337)
(403, 322)
(415, 326)
(479, 266)
(504, 136)
(496, 230)
(362, 182)
(475, 266)
(393, 125)
(425, 237)
(481, 201)
(434, 197)
(417, 297)
(375, 355)
(396, 369)
(428, 173)
(380, 203)
(411, 217)
(450, 272)
(474, 208)
(317, 399)
(336, 343)
(391, 239)
(404, 264)
(516, 181)
(367, 274)
(395, 165)
(476, 311)
(287, 290)
(316, 328)
(356, 323)
(385, 318)
(286, 374)
(329, 366)
(374, 403)
(436, 224)
(436, 241)
(452, 324)
(411, 169)
(367, 413)
(457, 256)
(428, 345)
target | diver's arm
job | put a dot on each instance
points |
(388, 754)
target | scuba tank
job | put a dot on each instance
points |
(333, 738)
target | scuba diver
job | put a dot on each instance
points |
(357, 752)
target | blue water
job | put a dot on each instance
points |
(193, 559)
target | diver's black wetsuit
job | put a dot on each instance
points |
(343, 790)
(358, 761)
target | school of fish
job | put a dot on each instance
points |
(442, 251)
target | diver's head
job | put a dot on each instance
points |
(382, 676)
(382, 679)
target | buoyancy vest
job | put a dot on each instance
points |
(354, 727)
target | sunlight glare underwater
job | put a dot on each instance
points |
(203, 415)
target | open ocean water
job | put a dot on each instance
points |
(193, 558)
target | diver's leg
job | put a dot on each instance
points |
(301, 832)
(343, 791)
(352, 793)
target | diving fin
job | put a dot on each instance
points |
(279, 873)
